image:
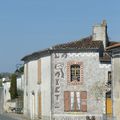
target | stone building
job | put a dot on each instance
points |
(68, 81)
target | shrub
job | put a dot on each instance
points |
(13, 87)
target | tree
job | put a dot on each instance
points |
(0, 82)
(19, 71)
(13, 87)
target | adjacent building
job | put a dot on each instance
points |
(114, 51)
(6, 93)
(70, 80)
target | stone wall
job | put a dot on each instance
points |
(95, 75)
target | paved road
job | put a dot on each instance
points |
(3, 117)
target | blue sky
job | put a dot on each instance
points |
(31, 25)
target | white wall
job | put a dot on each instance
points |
(33, 88)
(116, 87)
(19, 83)
(6, 87)
(30, 109)
(46, 86)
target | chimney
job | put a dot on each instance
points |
(100, 33)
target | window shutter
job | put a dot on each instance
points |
(39, 71)
(39, 105)
(83, 96)
(67, 101)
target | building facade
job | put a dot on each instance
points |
(68, 81)
(6, 93)
(114, 50)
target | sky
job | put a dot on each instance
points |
(27, 26)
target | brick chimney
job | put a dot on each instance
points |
(100, 33)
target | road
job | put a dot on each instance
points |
(12, 116)
(3, 117)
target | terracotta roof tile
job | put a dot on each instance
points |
(113, 46)
(85, 43)
(112, 43)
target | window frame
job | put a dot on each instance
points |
(76, 105)
(74, 82)
(75, 72)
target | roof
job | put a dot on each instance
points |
(85, 44)
(106, 57)
(110, 43)
(114, 50)
(113, 46)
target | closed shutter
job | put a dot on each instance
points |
(109, 106)
(39, 105)
(39, 71)
(67, 101)
(83, 96)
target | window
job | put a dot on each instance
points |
(75, 101)
(74, 72)
(109, 76)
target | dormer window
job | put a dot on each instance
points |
(75, 72)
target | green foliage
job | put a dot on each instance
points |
(5, 74)
(0, 83)
(19, 70)
(0, 76)
(13, 87)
